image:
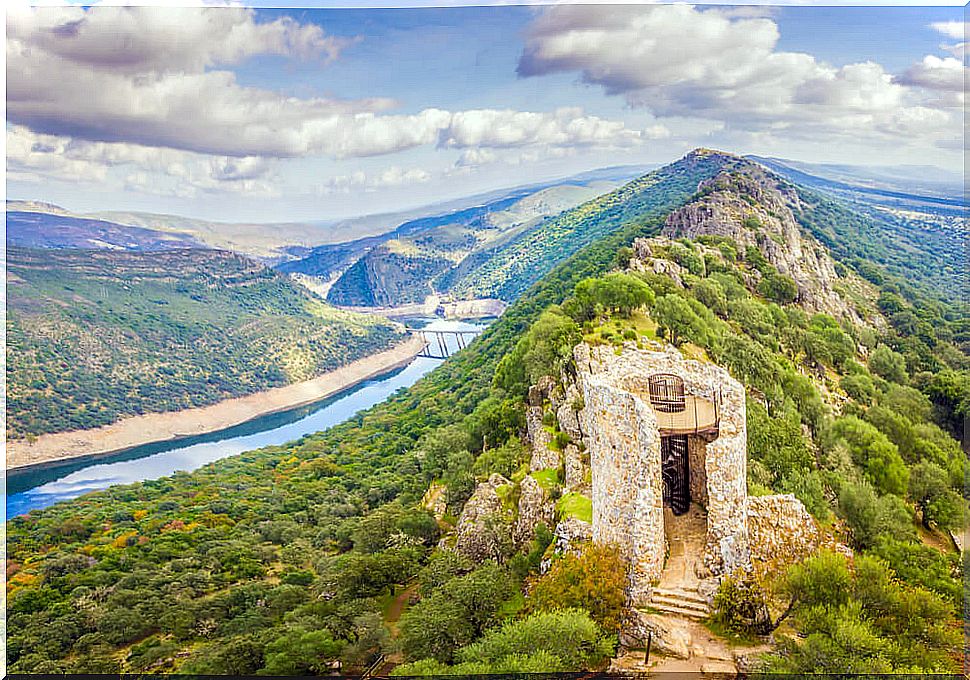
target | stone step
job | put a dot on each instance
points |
(679, 610)
(685, 595)
(660, 601)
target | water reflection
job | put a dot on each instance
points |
(41, 488)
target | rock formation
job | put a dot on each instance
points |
(535, 507)
(482, 531)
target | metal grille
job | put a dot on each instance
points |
(675, 472)
(667, 392)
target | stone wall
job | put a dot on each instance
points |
(624, 447)
(780, 529)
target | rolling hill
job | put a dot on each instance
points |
(96, 335)
(287, 559)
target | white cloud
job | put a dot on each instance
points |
(37, 157)
(951, 29)
(152, 77)
(946, 75)
(389, 178)
(679, 61)
(563, 127)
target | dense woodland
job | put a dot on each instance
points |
(94, 336)
(287, 559)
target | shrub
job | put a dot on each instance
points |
(592, 581)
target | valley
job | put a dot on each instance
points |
(490, 490)
(96, 336)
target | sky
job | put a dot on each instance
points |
(259, 115)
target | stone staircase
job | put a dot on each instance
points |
(679, 602)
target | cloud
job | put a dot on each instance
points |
(679, 61)
(563, 127)
(389, 178)
(40, 157)
(946, 75)
(951, 29)
(155, 78)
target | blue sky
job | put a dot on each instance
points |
(258, 115)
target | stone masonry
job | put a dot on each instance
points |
(624, 446)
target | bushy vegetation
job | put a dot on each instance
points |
(94, 336)
(287, 559)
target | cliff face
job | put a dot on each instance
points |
(748, 204)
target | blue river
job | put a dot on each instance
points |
(42, 487)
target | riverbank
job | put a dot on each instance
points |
(157, 427)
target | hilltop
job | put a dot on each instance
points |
(452, 522)
(95, 335)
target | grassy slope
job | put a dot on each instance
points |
(97, 335)
(507, 273)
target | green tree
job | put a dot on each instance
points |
(888, 364)
(929, 487)
(872, 450)
(301, 652)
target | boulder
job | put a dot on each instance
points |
(482, 531)
(575, 468)
(535, 507)
(543, 457)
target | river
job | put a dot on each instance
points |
(39, 488)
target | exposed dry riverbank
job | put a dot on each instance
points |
(155, 427)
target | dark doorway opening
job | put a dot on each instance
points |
(676, 473)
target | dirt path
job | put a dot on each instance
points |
(397, 608)
(155, 427)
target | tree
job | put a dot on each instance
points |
(929, 488)
(301, 652)
(569, 635)
(778, 288)
(888, 364)
(710, 293)
(872, 517)
(593, 581)
(674, 313)
(872, 450)
(454, 614)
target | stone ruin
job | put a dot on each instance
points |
(662, 432)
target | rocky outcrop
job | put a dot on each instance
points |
(543, 456)
(575, 469)
(780, 530)
(482, 531)
(567, 413)
(535, 507)
(570, 535)
(755, 208)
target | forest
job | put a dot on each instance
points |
(94, 336)
(293, 558)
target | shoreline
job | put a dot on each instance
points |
(151, 428)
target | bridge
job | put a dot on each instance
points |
(442, 344)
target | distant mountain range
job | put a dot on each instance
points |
(494, 245)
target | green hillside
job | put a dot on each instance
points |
(510, 269)
(94, 336)
(287, 559)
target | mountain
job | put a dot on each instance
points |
(51, 227)
(454, 518)
(916, 232)
(499, 249)
(96, 335)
